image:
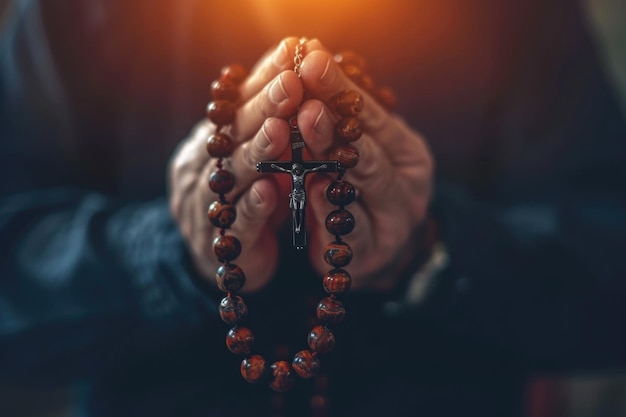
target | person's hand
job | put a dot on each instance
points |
(393, 177)
(268, 97)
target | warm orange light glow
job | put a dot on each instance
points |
(316, 18)
(338, 22)
(372, 27)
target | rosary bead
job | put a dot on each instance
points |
(337, 281)
(367, 82)
(221, 181)
(338, 254)
(222, 214)
(330, 310)
(224, 90)
(281, 378)
(220, 145)
(321, 339)
(226, 247)
(253, 368)
(346, 154)
(233, 309)
(340, 193)
(239, 340)
(348, 103)
(230, 278)
(306, 364)
(386, 97)
(354, 73)
(350, 58)
(348, 129)
(234, 73)
(221, 112)
(339, 222)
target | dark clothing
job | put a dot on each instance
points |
(96, 285)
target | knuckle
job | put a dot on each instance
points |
(249, 154)
(260, 104)
(245, 211)
(176, 206)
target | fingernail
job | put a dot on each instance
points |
(328, 76)
(256, 198)
(277, 93)
(281, 55)
(317, 121)
(263, 140)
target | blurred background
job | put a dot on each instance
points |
(548, 395)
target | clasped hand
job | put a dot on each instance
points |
(393, 178)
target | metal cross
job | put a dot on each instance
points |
(298, 168)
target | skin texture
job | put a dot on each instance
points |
(393, 178)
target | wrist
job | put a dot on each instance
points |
(395, 275)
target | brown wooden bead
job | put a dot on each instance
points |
(222, 214)
(340, 193)
(233, 309)
(338, 254)
(337, 281)
(348, 103)
(350, 58)
(220, 145)
(224, 90)
(234, 73)
(221, 181)
(339, 222)
(253, 368)
(321, 339)
(348, 129)
(306, 364)
(386, 97)
(221, 112)
(281, 378)
(239, 340)
(230, 278)
(330, 310)
(346, 154)
(226, 247)
(354, 73)
(367, 82)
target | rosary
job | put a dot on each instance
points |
(281, 375)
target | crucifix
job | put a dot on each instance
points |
(298, 168)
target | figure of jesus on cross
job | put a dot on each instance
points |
(297, 196)
(298, 168)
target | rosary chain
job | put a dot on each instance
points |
(297, 59)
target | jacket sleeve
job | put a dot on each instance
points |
(85, 280)
(86, 275)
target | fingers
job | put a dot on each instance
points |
(316, 123)
(280, 98)
(373, 174)
(275, 61)
(389, 149)
(254, 210)
(255, 121)
(271, 90)
(269, 143)
(184, 167)
(323, 79)
(255, 202)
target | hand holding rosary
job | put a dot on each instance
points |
(338, 254)
(392, 208)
